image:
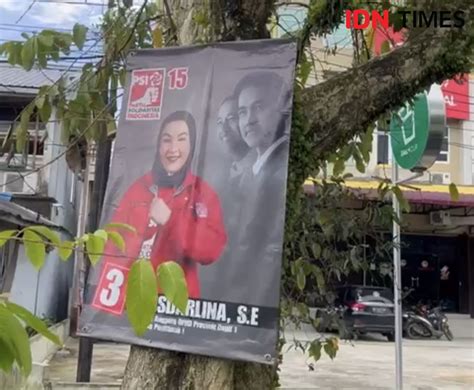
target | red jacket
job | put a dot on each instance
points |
(194, 234)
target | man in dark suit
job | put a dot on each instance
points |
(264, 107)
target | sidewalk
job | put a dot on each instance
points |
(368, 363)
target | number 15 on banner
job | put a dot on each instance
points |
(110, 293)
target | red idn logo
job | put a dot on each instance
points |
(146, 94)
(360, 19)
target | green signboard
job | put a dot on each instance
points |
(417, 131)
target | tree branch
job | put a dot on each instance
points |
(346, 104)
(173, 28)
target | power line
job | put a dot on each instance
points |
(71, 144)
(34, 28)
(26, 11)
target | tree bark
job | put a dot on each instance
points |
(337, 110)
(345, 105)
(159, 369)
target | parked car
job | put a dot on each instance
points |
(358, 310)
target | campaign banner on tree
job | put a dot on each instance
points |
(199, 169)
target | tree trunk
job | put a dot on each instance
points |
(149, 368)
(337, 110)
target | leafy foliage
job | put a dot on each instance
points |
(172, 282)
(142, 295)
(140, 300)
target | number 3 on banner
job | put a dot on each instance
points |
(110, 293)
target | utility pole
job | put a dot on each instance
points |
(102, 164)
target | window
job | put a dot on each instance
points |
(382, 148)
(444, 153)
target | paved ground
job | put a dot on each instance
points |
(364, 364)
(370, 363)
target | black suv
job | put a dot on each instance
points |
(362, 309)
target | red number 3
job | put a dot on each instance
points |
(110, 293)
(178, 78)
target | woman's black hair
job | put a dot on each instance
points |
(160, 176)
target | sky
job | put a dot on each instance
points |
(45, 14)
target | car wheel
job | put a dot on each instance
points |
(416, 331)
(390, 336)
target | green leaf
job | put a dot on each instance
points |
(34, 248)
(453, 191)
(65, 250)
(404, 205)
(47, 233)
(305, 70)
(45, 111)
(118, 225)
(52, 91)
(315, 350)
(14, 334)
(141, 297)
(64, 41)
(46, 39)
(118, 240)
(316, 249)
(54, 53)
(25, 119)
(15, 51)
(365, 146)
(339, 166)
(157, 37)
(172, 283)
(331, 347)
(32, 321)
(359, 162)
(5, 47)
(95, 248)
(6, 235)
(7, 356)
(301, 278)
(102, 234)
(28, 53)
(39, 101)
(321, 282)
(79, 33)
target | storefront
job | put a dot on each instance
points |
(437, 246)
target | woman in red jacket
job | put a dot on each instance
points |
(177, 215)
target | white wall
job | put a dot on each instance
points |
(42, 292)
(45, 292)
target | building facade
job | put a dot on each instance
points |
(35, 183)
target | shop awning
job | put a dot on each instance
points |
(420, 193)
